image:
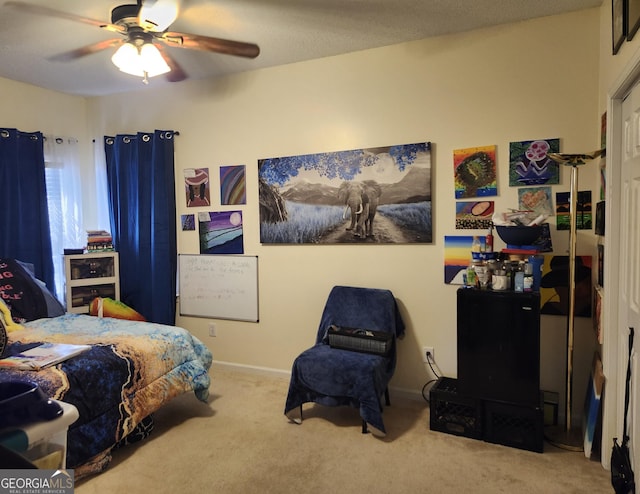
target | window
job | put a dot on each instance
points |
(54, 203)
(64, 200)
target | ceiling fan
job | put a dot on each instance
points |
(143, 29)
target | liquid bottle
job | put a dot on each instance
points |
(528, 277)
(518, 280)
(506, 267)
(488, 241)
(476, 246)
(471, 277)
(482, 274)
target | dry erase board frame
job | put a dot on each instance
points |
(219, 286)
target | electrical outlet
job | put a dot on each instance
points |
(212, 329)
(427, 350)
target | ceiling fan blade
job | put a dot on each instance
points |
(86, 50)
(177, 73)
(41, 10)
(206, 43)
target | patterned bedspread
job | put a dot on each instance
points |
(132, 369)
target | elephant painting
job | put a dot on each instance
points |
(362, 199)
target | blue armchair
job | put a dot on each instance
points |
(337, 377)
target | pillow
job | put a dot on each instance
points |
(21, 294)
(54, 307)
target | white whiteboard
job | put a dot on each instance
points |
(219, 286)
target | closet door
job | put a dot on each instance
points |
(628, 303)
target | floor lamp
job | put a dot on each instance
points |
(567, 436)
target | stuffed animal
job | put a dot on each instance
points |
(7, 320)
(107, 307)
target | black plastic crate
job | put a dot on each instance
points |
(514, 425)
(453, 413)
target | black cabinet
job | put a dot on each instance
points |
(499, 346)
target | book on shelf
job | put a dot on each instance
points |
(43, 355)
(99, 241)
(98, 233)
(99, 247)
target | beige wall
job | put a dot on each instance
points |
(493, 86)
(29, 109)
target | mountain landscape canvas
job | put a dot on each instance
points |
(374, 195)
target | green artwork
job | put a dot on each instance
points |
(584, 216)
(530, 165)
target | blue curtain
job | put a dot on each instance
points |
(141, 179)
(24, 217)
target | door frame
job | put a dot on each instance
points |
(614, 348)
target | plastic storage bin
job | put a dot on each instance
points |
(514, 425)
(453, 413)
(43, 443)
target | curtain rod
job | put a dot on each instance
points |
(175, 133)
(60, 140)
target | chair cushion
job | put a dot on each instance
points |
(335, 377)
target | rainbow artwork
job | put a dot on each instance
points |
(233, 185)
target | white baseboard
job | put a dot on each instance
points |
(408, 394)
(253, 369)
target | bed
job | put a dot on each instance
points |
(131, 369)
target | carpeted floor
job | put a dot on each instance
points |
(242, 443)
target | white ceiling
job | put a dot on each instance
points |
(287, 31)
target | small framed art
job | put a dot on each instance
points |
(618, 24)
(632, 18)
(600, 211)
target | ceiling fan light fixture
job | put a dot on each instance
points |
(152, 62)
(145, 61)
(126, 58)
